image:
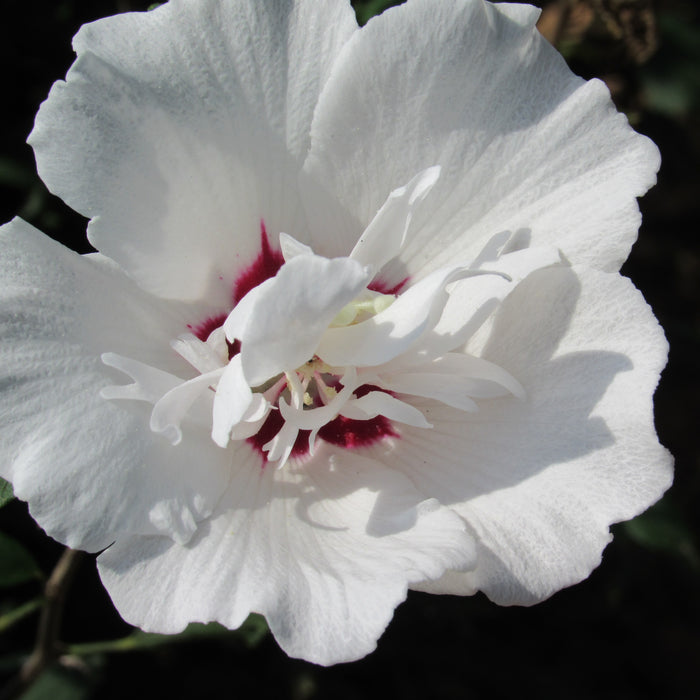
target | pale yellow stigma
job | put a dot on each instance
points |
(362, 308)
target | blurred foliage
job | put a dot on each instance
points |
(366, 9)
(61, 683)
(11, 617)
(630, 631)
(671, 84)
(17, 565)
(662, 529)
(249, 634)
(6, 493)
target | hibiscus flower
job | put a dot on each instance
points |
(355, 325)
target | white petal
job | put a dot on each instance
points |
(190, 122)
(217, 342)
(379, 403)
(454, 378)
(253, 419)
(482, 373)
(290, 247)
(522, 142)
(243, 314)
(203, 356)
(280, 447)
(447, 389)
(171, 409)
(391, 332)
(90, 469)
(540, 481)
(232, 401)
(280, 327)
(326, 555)
(149, 384)
(383, 239)
(472, 301)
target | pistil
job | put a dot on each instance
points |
(365, 306)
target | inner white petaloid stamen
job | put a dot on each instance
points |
(308, 397)
(314, 334)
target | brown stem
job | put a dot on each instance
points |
(47, 647)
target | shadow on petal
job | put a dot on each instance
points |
(508, 441)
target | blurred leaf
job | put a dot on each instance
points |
(253, 631)
(10, 663)
(671, 83)
(16, 564)
(6, 492)
(673, 95)
(60, 683)
(680, 33)
(366, 9)
(35, 204)
(14, 174)
(660, 529)
(13, 616)
(250, 633)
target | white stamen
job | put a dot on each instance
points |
(170, 409)
(379, 403)
(316, 418)
(395, 342)
(202, 356)
(149, 383)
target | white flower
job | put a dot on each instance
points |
(356, 323)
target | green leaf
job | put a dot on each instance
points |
(669, 95)
(366, 9)
(12, 662)
(252, 631)
(14, 616)
(14, 174)
(6, 492)
(250, 634)
(660, 529)
(60, 683)
(16, 564)
(683, 36)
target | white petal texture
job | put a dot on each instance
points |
(356, 324)
(335, 546)
(283, 319)
(90, 469)
(187, 123)
(547, 475)
(522, 142)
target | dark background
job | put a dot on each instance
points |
(632, 629)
